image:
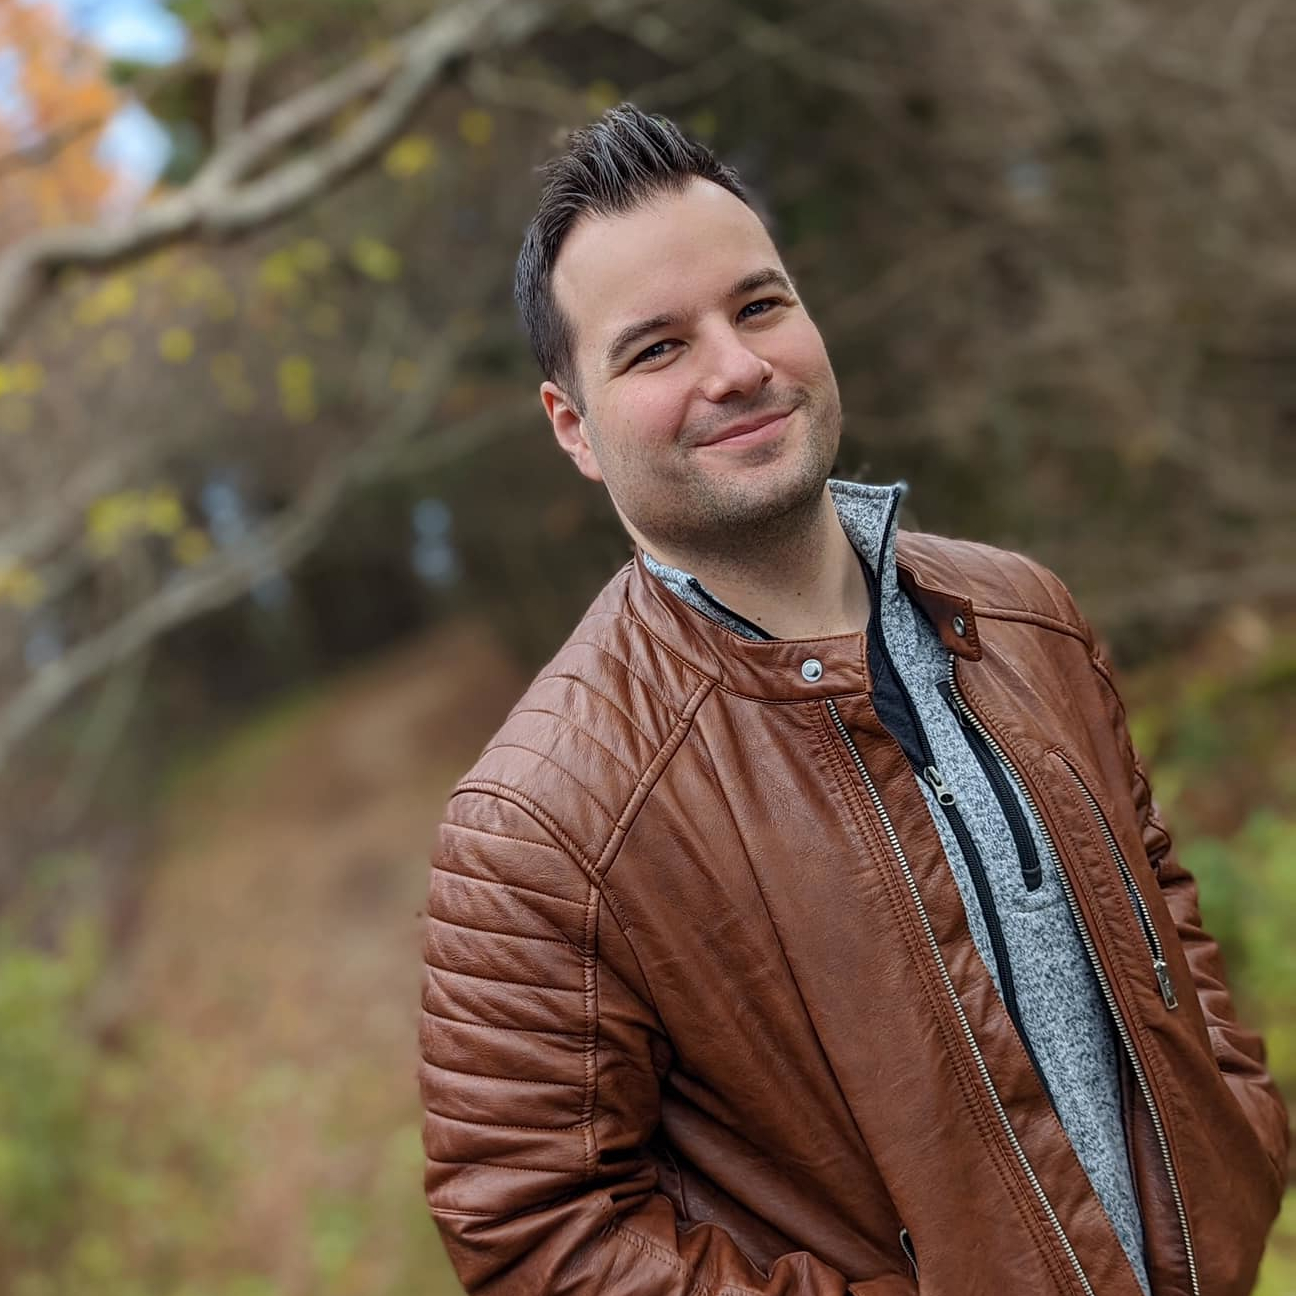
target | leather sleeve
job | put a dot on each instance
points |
(1239, 1052)
(540, 1090)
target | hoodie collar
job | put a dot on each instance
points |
(869, 516)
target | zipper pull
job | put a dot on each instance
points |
(907, 1246)
(1163, 980)
(943, 794)
(943, 688)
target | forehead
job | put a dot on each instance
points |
(668, 257)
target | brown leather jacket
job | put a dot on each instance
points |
(703, 1015)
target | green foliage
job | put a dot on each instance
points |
(1247, 885)
(90, 1181)
(111, 1180)
(1278, 1273)
(46, 1070)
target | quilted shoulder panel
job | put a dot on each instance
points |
(580, 741)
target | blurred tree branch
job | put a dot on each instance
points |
(227, 197)
(268, 551)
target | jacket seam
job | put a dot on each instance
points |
(583, 784)
(696, 1285)
(660, 763)
(1028, 615)
(580, 729)
(536, 811)
(595, 872)
(625, 665)
(491, 1026)
(649, 779)
(588, 1033)
(643, 790)
(661, 643)
(494, 931)
(1104, 672)
(598, 693)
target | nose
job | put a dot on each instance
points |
(733, 368)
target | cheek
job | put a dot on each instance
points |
(807, 354)
(650, 412)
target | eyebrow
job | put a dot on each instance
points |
(766, 277)
(632, 333)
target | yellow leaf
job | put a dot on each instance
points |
(297, 388)
(277, 273)
(600, 96)
(410, 155)
(20, 585)
(163, 512)
(191, 546)
(114, 299)
(111, 519)
(477, 127)
(375, 259)
(176, 345)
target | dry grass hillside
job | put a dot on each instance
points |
(277, 956)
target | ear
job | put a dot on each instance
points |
(570, 431)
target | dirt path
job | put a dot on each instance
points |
(277, 961)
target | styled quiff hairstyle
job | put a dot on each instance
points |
(615, 164)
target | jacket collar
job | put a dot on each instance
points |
(677, 610)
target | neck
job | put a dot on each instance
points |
(802, 582)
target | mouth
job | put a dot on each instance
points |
(751, 431)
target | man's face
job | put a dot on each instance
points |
(710, 407)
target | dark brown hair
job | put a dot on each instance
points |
(610, 167)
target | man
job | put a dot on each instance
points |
(808, 927)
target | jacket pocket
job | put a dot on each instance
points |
(1142, 914)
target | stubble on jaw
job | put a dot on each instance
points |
(703, 519)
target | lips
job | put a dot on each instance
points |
(747, 429)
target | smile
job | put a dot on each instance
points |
(752, 433)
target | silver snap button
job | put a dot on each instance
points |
(960, 626)
(811, 670)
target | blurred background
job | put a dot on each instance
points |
(283, 533)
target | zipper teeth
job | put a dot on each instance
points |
(1135, 895)
(1099, 971)
(894, 840)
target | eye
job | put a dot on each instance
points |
(654, 352)
(761, 307)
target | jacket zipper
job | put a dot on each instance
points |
(1099, 971)
(918, 751)
(1159, 965)
(985, 899)
(978, 1057)
(1032, 872)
